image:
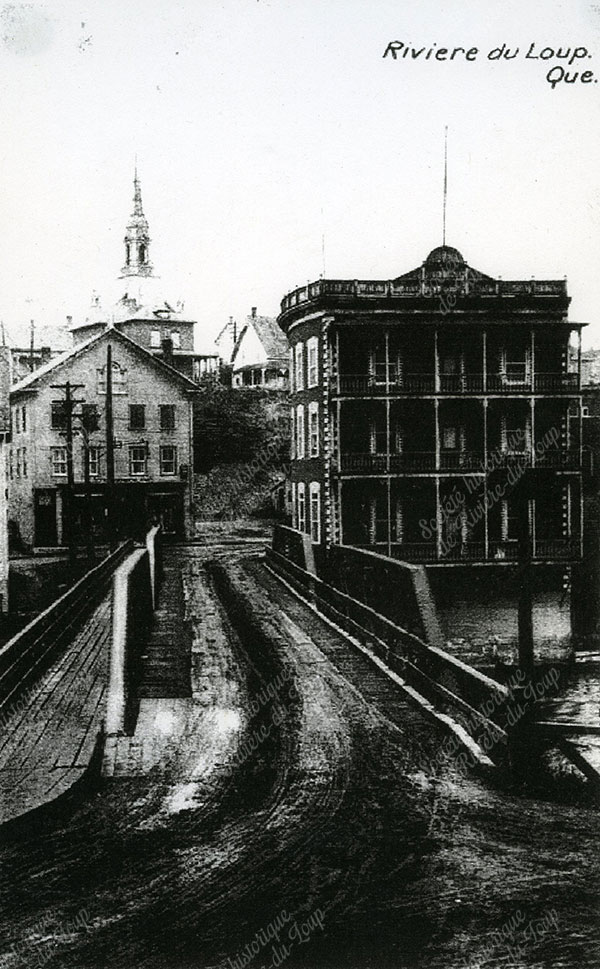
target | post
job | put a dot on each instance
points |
(68, 506)
(521, 741)
(110, 453)
(89, 538)
(32, 346)
(526, 660)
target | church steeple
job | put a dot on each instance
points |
(137, 238)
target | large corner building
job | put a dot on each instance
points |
(412, 398)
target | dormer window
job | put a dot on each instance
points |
(155, 338)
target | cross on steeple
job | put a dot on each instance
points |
(137, 237)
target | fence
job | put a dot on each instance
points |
(480, 704)
(131, 618)
(29, 654)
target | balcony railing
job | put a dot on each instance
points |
(466, 461)
(461, 461)
(411, 383)
(560, 548)
(539, 383)
(551, 382)
(364, 463)
(551, 460)
(498, 551)
(384, 288)
(468, 383)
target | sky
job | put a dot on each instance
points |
(275, 144)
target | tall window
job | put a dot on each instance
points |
(23, 418)
(11, 464)
(155, 339)
(300, 431)
(299, 366)
(17, 413)
(24, 462)
(119, 379)
(313, 429)
(59, 461)
(450, 438)
(167, 417)
(379, 523)
(291, 370)
(378, 364)
(58, 415)
(294, 506)
(168, 459)
(509, 521)
(138, 460)
(137, 417)
(293, 432)
(397, 523)
(89, 417)
(313, 361)
(301, 507)
(378, 435)
(515, 365)
(515, 435)
(18, 462)
(94, 461)
(315, 511)
(176, 339)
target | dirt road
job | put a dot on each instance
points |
(308, 819)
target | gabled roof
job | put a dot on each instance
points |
(110, 334)
(267, 330)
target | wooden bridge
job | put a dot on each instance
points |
(82, 686)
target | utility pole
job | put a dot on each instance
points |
(526, 660)
(68, 504)
(88, 425)
(32, 346)
(110, 452)
(521, 739)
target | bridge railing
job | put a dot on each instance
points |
(480, 704)
(29, 654)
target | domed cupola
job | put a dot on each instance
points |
(445, 259)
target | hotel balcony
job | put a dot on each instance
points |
(365, 385)
(563, 550)
(467, 462)
(400, 290)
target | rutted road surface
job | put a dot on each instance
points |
(305, 817)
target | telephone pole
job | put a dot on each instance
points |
(68, 502)
(110, 452)
(32, 346)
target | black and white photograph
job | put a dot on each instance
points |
(300, 484)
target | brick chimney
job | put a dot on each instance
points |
(254, 312)
(167, 350)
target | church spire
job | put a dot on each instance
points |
(137, 195)
(137, 237)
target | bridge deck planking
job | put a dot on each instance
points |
(53, 687)
(37, 696)
(56, 712)
(50, 739)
